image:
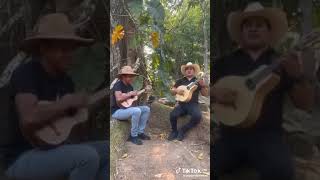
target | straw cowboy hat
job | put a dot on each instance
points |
(127, 70)
(56, 27)
(196, 68)
(276, 17)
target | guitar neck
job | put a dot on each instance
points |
(141, 91)
(273, 66)
(195, 82)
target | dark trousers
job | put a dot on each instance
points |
(191, 109)
(267, 153)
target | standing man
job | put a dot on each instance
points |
(44, 78)
(191, 107)
(123, 90)
(257, 30)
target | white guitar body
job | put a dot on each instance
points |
(253, 89)
(57, 132)
(248, 104)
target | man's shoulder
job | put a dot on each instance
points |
(180, 79)
(227, 58)
(29, 69)
(119, 85)
(233, 54)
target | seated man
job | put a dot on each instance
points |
(123, 90)
(191, 107)
(44, 78)
(261, 145)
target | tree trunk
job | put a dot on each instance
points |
(306, 27)
(205, 36)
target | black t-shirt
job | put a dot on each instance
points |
(32, 78)
(185, 81)
(240, 63)
(118, 86)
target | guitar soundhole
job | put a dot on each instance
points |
(250, 84)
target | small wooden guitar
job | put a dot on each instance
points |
(58, 131)
(252, 90)
(188, 90)
(128, 103)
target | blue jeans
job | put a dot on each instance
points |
(139, 117)
(89, 161)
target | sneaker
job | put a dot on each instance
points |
(173, 135)
(143, 136)
(180, 136)
(136, 140)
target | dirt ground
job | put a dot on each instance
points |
(161, 159)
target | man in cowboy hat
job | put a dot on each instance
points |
(44, 78)
(123, 90)
(191, 107)
(257, 30)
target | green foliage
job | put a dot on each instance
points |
(89, 67)
(316, 16)
(138, 83)
(179, 24)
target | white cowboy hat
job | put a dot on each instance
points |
(196, 68)
(276, 17)
(54, 26)
(127, 70)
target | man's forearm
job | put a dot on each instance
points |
(204, 91)
(303, 95)
(123, 97)
(43, 114)
(173, 91)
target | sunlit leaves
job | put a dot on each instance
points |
(144, 19)
(155, 39)
(172, 29)
(155, 61)
(156, 11)
(117, 34)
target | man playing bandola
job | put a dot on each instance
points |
(257, 30)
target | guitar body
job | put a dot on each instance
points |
(248, 104)
(128, 103)
(187, 95)
(57, 132)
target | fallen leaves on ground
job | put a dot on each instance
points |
(206, 173)
(163, 136)
(124, 156)
(200, 156)
(166, 176)
(158, 175)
